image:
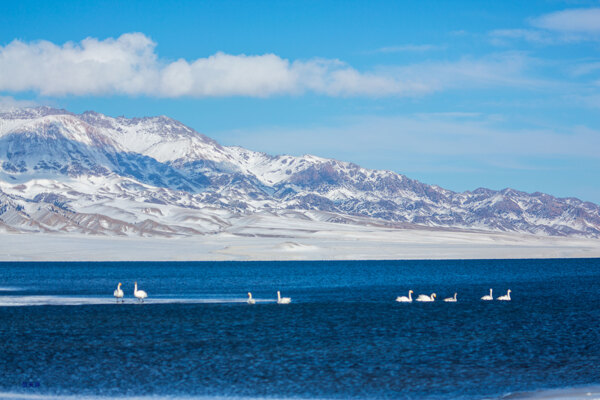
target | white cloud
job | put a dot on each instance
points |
(583, 20)
(129, 65)
(574, 25)
(123, 65)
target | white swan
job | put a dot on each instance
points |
(250, 299)
(451, 299)
(488, 297)
(139, 294)
(282, 300)
(506, 297)
(424, 297)
(404, 299)
(118, 293)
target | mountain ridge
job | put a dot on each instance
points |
(154, 176)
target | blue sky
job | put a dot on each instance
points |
(462, 94)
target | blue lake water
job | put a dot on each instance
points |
(342, 337)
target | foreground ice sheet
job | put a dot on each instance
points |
(16, 301)
(581, 393)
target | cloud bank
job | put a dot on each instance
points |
(129, 65)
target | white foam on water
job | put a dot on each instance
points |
(23, 301)
(9, 289)
(25, 396)
(580, 393)
(577, 393)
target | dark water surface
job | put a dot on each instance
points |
(342, 337)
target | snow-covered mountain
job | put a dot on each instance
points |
(93, 174)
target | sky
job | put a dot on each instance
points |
(460, 94)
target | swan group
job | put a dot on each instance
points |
(280, 300)
(119, 294)
(489, 297)
(141, 295)
(453, 299)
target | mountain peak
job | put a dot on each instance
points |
(32, 112)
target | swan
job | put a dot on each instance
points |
(404, 299)
(118, 293)
(250, 299)
(140, 294)
(488, 297)
(451, 299)
(424, 297)
(506, 297)
(282, 300)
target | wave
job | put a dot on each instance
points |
(22, 301)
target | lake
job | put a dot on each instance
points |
(342, 337)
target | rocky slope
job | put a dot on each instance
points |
(92, 174)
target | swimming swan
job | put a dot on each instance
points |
(424, 297)
(118, 293)
(404, 299)
(140, 294)
(282, 300)
(488, 297)
(451, 299)
(506, 297)
(250, 299)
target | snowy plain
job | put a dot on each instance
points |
(267, 242)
